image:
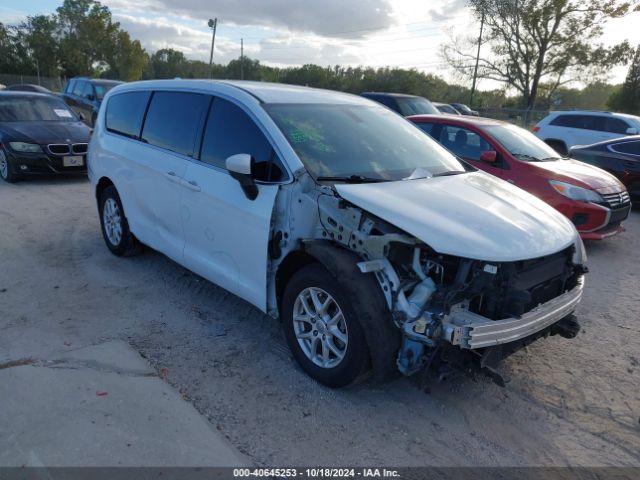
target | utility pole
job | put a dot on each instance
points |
(38, 70)
(475, 70)
(212, 24)
(242, 59)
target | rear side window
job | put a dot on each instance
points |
(78, 88)
(230, 131)
(125, 112)
(87, 90)
(585, 122)
(615, 125)
(70, 86)
(173, 120)
(627, 147)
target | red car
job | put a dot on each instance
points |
(594, 200)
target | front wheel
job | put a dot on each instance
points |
(322, 328)
(115, 228)
(6, 170)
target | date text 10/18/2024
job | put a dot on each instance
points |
(316, 472)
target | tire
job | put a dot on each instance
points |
(558, 146)
(350, 341)
(114, 225)
(6, 169)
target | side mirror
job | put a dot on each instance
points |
(81, 116)
(90, 97)
(632, 131)
(490, 156)
(240, 167)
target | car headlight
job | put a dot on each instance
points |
(576, 193)
(25, 147)
(580, 253)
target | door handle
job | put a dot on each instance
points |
(191, 185)
(173, 176)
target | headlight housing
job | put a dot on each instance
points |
(23, 147)
(576, 193)
(580, 253)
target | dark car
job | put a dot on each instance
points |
(620, 157)
(446, 108)
(39, 134)
(464, 110)
(403, 104)
(28, 87)
(84, 96)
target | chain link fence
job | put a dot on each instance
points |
(53, 84)
(520, 117)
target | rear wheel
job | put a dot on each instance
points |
(322, 328)
(115, 228)
(6, 169)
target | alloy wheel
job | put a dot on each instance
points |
(4, 165)
(320, 327)
(112, 220)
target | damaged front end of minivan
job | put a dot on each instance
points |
(487, 308)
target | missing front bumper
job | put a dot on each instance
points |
(470, 331)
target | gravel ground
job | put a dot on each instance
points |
(569, 402)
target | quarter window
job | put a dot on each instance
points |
(464, 143)
(125, 112)
(615, 125)
(230, 131)
(426, 127)
(173, 120)
(632, 148)
(70, 86)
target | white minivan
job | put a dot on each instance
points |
(376, 247)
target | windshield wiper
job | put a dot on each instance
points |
(351, 179)
(448, 173)
(525, 157)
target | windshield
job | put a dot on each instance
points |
(416, 106)
(356, 140)
(102, 89)
(34, 109)
(521, 143)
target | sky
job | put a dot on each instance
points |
(396, 33)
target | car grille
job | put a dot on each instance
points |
(616, 200)
(66, 149)
(59, 148)
(79, 148)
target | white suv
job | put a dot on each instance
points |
(374, 245)
(563, 130)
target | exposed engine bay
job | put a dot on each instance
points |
(437, 299)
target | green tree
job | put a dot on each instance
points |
(537, 41)
(39, 34)
(87, 36)
(14, 56)
(167, 63)
(244, 68)
(127, 58)
(627, 98)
